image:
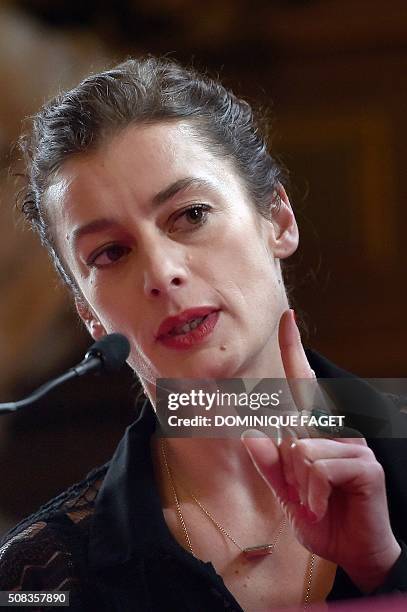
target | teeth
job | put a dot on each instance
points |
(188, 326)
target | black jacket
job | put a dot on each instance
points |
(106, 541)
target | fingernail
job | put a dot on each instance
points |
(293, 328)
(253, 433)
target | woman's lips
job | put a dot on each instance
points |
(187, 315)
(171, 338)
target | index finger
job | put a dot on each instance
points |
(300, 376)
(294, 359)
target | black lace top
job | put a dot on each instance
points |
(47, 551)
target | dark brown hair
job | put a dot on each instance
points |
(144, 91)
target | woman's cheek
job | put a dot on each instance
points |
(142, 366)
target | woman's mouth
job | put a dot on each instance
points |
(187, 330)
(184, 329)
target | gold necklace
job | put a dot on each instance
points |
(249, 552)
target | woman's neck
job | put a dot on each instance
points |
(212, 469)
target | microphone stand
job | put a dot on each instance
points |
(107, 354)
(87, 365)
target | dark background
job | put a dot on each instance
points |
(333, 75)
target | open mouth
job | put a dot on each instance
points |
(187, 327)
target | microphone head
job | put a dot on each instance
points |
(112, 350)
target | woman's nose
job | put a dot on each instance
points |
(164, 271)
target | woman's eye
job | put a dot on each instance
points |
(108, 255)
(193, 215)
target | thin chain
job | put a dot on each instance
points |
(312, 558)
(208, 514)
(311, 566)
(223, 530)
(177, 504)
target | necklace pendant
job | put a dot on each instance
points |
(258, 551)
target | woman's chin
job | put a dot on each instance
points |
(207, 368)
(211, 362)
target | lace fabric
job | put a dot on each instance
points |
(44, 550)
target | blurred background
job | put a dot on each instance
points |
(333, 74)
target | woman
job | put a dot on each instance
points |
(154, 192)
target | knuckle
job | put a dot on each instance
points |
(377, 470)
(308, 449)
(372, 471)
(367, 453)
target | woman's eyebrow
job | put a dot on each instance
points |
(180, 186)
(93, 227)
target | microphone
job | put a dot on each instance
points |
(106, 355)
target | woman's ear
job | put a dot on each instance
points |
(93, 325)
(284, 238)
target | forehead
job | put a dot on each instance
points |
(142, 160)
(158, 149)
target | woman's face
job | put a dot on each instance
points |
(158, 233)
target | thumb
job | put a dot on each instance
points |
(266, 459)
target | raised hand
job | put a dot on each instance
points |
(332, 490)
